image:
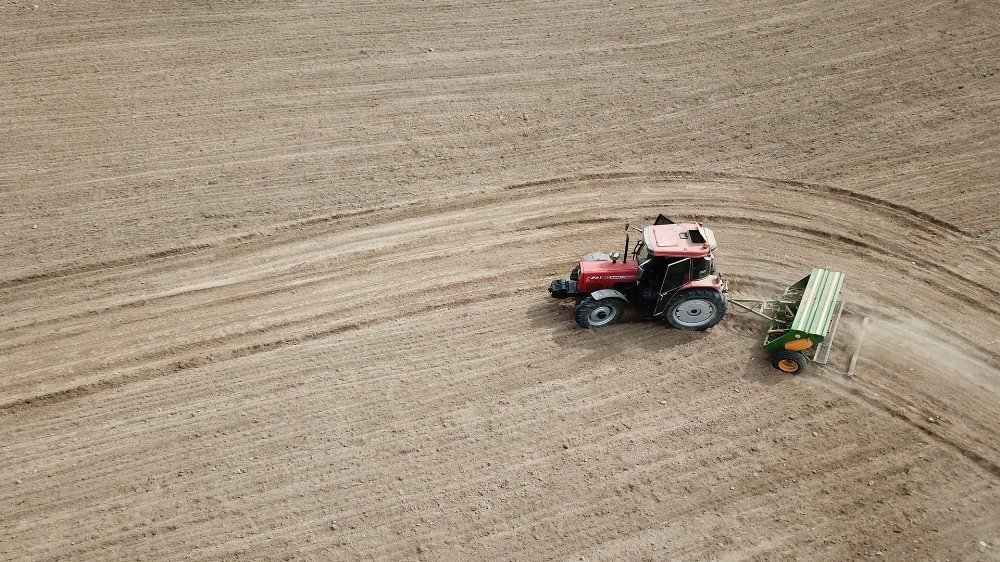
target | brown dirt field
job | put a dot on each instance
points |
(274, 276)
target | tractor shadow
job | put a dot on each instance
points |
(632, 334)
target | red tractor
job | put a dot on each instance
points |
(669, 274)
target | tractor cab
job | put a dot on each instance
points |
(688, 244)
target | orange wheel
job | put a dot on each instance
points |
(790, 362)
(788, 365)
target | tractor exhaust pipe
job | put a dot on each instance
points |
(625, 254)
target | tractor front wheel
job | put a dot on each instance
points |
(598, 313)
(696, 309)
(791, 362)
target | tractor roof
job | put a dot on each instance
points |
(682, 240)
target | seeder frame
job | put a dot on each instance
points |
(804, 318)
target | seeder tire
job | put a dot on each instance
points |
(791, 362)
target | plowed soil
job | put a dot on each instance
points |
(274, 276)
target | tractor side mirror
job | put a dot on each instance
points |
(615, 256)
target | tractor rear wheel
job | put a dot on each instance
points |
(598, 313)
(791, 362)
(696, 309)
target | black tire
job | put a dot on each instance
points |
(791, 362)
(696, 309)
(597, 314)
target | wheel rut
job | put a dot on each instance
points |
(535, 215)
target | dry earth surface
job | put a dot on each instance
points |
(273, 279)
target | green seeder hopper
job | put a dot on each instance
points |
(803, 322)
